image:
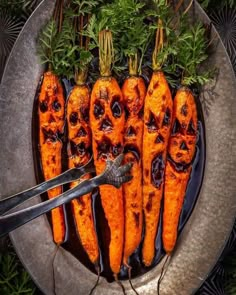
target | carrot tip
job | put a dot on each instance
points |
(163, 271)
(119, 283)
(97, 267)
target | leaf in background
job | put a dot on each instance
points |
(192, 45)
(48, 42)
(85, 6)
(14, 279)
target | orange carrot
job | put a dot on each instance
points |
(107, 125)
(134, 91)
(51, 123)
(181, 150)
(107, 121)
(157, 124)
(79, 136)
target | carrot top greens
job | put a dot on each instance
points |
(192, 45)
(162, 12)
(125, 18)
(68, 48)
(50, 45)
(65, 50)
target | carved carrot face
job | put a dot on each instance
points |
(184, 129)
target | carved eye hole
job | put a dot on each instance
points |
(74, 118)
(176, 128)
(166, 120)
(116, 107)
(56, 105)
(98, 110)
(191, 129)
(152, 124)
(43, 106)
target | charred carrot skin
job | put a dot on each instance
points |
(107, 125)
(181, 151)
(157, 124)
(79, 150)
(134, 91)
(51, 123)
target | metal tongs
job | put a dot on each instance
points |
(114, 174)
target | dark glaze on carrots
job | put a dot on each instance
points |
(134, 91)
(181, 151)
(157, 125)
(79, 150)
(51, 123)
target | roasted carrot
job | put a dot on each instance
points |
(183, 138)
(157, 124)
(79, 136)
(51, 123)
(134, 91)
(107, 125)
(181, 150)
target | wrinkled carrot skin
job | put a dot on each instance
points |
(181, 149)
(79, 135)
(51, 122)
(157, 124)
(134, 91)
(107, 125)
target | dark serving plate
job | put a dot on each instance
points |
(54, 269)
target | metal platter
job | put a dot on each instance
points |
(54, 269)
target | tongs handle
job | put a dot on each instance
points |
(68, 176)
(113, 175)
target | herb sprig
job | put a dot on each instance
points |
(192, 45)
(64, 50)
(49, 44)
(126, 18)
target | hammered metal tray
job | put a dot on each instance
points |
(54, 269)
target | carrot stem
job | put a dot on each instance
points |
(106, 52)
(133, 65)
(158, 46)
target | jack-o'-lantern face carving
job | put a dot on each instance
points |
(184, 128)
(79, 132)
(107, 119)
(51, 106)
